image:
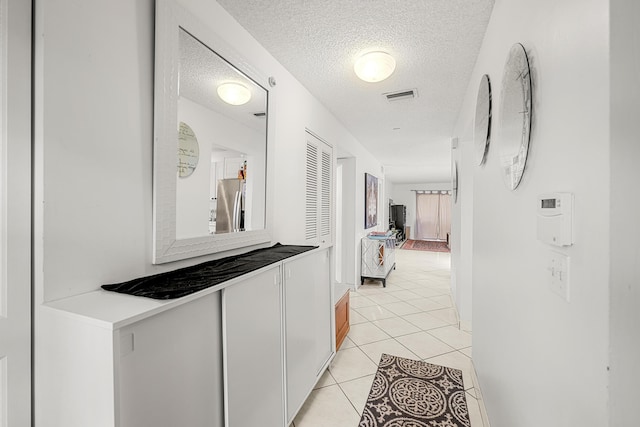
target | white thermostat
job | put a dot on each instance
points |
(555, 219)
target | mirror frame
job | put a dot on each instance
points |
(170, 17)
(482, 121)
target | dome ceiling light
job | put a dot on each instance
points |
(234, 93)
(374, 66)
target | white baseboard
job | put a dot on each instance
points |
(478, 391)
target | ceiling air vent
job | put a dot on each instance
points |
(403, 94)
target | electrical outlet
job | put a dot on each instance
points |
(559, 274)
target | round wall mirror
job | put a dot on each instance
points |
(188, 151)
(482, 124)
(454, 182)
(515, 116)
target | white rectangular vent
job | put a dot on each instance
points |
(403, 94)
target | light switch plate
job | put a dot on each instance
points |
(558, 271)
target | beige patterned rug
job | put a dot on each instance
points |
(412, 393)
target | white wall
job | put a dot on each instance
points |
(94, 140)
(349, 259)
(462, 228)
(625, 211)
(541, 360)
(94, 143)
(403, 194)
(192, 193)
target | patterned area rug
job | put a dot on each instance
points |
(411, 393)
(425, 245)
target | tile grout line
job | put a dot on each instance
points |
(372, 294)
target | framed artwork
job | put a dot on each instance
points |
(370, 201)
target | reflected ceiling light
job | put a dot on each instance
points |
(374, 66)
(234, 93)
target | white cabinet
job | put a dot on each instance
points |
(170, 368)
(252, 325)
(99, 366)
(216, 357)
(378, 258)
(308, 325)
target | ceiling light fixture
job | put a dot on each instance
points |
(234, 93)
(374, 66)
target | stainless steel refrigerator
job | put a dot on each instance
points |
(230, 206)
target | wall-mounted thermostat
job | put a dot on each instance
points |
(555, 219)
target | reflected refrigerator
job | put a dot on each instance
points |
(230, 206)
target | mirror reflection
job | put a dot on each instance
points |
(515, 116)
(225, 113)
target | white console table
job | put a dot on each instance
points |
(378, 258)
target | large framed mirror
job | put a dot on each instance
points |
(211, 135)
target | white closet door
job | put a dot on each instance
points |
(15, 213)
(252, 343)
(319, 192)
(308, 325)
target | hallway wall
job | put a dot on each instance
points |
(94, 141)
(540, 359)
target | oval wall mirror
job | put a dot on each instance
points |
(482, 123)
(515, 116)
(216, 199)
(188, 151)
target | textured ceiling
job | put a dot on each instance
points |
(435, 43)
(202, 71)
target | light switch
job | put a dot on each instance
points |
(558, 270)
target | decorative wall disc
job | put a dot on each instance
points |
(515, 116)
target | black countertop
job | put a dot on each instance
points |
(185, 281)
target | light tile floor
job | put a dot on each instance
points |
(413, 317)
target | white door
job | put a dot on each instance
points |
(319, 192)
(252, 351)
(15, 213)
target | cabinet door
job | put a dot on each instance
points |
(171, 367)
(252, 336)
(308, 324)
(319, 192)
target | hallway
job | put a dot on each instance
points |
(413, 317)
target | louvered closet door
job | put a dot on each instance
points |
(319, 192)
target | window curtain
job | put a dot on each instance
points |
(445, 216)
(427, 218)
(433, 215)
